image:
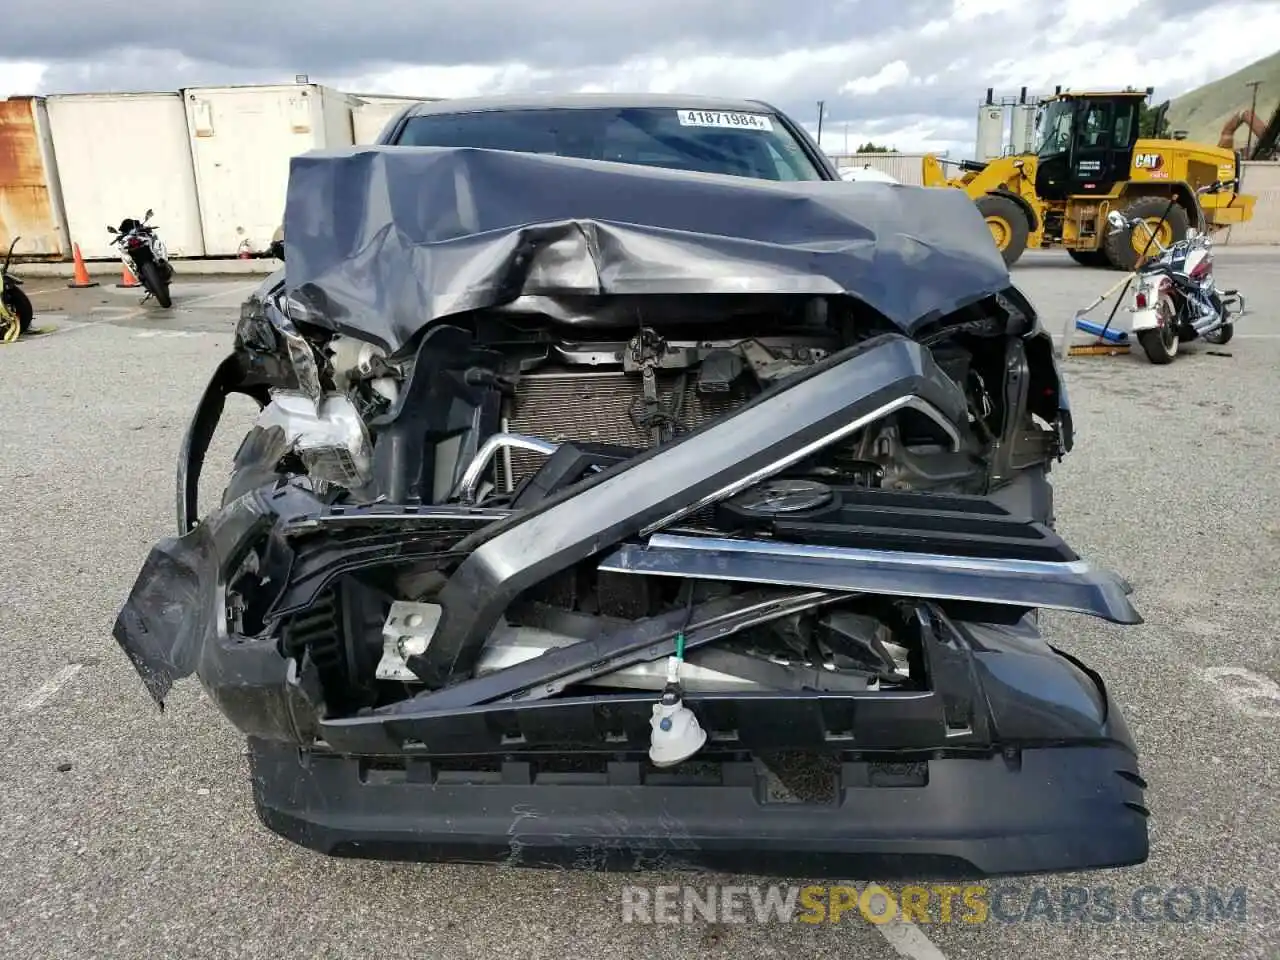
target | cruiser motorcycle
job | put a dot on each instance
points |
(145, 256)
(1176, 299)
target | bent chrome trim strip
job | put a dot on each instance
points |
(1077, 587)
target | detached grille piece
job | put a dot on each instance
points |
(597, 408)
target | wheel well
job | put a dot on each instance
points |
(1033, 222)
(1181, 191)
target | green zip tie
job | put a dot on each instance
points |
(680, 646)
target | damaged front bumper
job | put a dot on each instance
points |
(1013, 760)
(1038, 810)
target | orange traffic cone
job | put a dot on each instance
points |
(127, 279)
(82, 275)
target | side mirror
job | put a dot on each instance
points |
(110, 228)
(277, 249)
(149, 214)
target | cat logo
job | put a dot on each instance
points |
(1148, 161)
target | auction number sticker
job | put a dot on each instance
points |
(720, 118)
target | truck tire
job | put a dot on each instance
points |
(1008, 224)
(1090, 258)
(1122, 253)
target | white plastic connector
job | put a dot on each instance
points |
(677, 735)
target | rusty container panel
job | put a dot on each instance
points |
(30, 195)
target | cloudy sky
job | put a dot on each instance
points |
(907, 73)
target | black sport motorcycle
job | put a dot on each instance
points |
(145, 256)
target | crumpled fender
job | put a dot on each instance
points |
(1147, 318)
(229, 377)
(173, 624)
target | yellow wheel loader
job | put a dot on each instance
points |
(1090, 160)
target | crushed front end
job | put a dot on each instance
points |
(481, 511)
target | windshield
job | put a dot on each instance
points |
(754, 145)
(1055, 128)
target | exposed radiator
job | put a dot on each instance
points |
(596, 407)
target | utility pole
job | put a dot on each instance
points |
(821, 109)
(1253, 114)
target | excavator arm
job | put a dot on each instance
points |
(1244, 118)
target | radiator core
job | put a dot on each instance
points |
(596, 408)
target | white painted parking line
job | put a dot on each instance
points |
(908, 940)
(173, 334)
(49, 689)
(1251, 693)
(238, 290)
(905, 937)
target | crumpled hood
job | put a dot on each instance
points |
(384, 240)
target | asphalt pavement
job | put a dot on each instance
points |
(126, 833)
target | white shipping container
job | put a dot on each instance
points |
(906, 168)
(372, 114)
(118, 155)
(241, 141)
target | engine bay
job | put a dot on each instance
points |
(511, 410)
(545, 384)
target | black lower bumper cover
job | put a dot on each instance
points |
(1055, 809)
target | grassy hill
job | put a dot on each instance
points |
(1203, 111)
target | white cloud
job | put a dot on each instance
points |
(453, 81)
(908, 73)
(892, 74)
(1170, 55)
(966, 10)
(20, 77)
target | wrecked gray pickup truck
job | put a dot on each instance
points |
(616, 517)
